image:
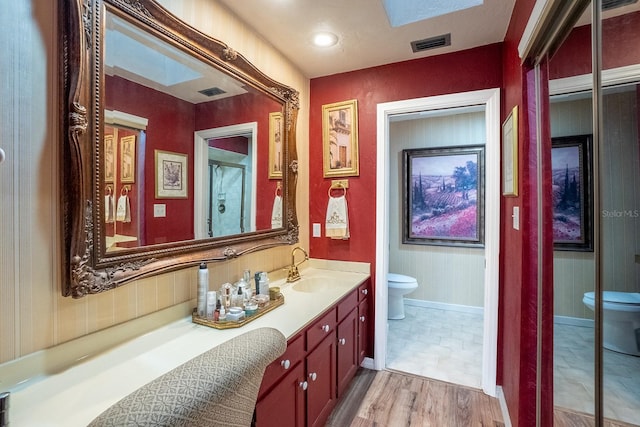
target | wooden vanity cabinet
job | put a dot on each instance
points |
(365, 323)
(302, 387)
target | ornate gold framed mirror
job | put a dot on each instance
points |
(175, 149)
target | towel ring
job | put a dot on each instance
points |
(279, 188)
(125, 190)
(108, 190)
(337, 187)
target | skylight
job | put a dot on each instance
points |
(402, 12)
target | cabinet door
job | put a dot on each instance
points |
(284, 404)
(321, 376)
(347, 350)
(364, 326)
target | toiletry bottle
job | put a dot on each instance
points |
(264, 283)
(203, 288)
(212, 298)
(257, 281)
(222, 317)
(248, 291)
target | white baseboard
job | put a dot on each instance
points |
(444, 306)
(573, 321)
(367, 363)
(503, 407)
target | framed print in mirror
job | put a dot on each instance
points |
(275, 145)
(109, 159)
(340, 139)
(443, 196)
(510, 154)
(171, 175)
(571, 184)
(128, 159)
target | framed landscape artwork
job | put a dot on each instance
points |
(340, 139)
(443, 196)
(571, 186)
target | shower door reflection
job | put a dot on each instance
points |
(226, 211)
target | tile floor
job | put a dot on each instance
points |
(573, 376)
(447, 345)
(434, 343)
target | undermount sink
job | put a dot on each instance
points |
(312, 284)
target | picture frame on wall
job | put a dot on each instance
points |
(340, 139)
(571, 159)
(109, 159)
(128, 159)
(510, 154)
(171, 175)
(275, 145)
(443, 196)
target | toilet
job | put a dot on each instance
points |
(621, 320)
(398, 286)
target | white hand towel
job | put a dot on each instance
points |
(124, 209)
(337, 220)
(276, 212)
(109, 208)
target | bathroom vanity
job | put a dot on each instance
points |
(324, 318)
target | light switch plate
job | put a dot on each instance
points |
(516, 217)
(316, 229)
(159, 210)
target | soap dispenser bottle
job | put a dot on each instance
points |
(203, 288)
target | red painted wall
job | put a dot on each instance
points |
(619, 47)
(171, 124)
(473, 69)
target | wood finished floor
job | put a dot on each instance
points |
(390, 398)
(398, 399)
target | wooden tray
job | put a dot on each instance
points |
(273, 304)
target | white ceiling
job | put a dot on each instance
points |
(366, 38)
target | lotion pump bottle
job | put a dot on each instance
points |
(203, 288)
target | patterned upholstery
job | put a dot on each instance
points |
(217, 388)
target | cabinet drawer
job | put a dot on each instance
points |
(364, 290)
(347, 304)
(283, 364)
(321, 328)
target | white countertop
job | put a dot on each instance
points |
(75, 396)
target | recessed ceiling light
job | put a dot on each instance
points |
(325, 39)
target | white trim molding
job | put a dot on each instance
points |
(490, 98)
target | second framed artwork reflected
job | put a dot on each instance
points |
(571, 184)
(171, 175)
(443, 196)
(128, 159)
(275, 145)
(340, 139)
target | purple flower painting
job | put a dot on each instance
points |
(443, 196)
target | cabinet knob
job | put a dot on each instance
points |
(304, 385)
(362, 319)
(285, 364)
(325, 328)
(313, 376)
(365, 291)
(342, 341)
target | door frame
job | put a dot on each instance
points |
(490, 98)
(201, 164)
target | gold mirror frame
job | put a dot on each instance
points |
(87, 267)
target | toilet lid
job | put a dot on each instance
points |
(399, 278)
(617, 297)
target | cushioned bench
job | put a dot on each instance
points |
(217, 388)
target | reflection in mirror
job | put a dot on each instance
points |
(618, 181)
(193, 147)
(181, 98)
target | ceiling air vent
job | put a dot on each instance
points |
(431, 43)
(212, 91)
(612, 4)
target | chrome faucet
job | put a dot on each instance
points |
(293, 273)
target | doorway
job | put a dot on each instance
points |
(490, 99)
